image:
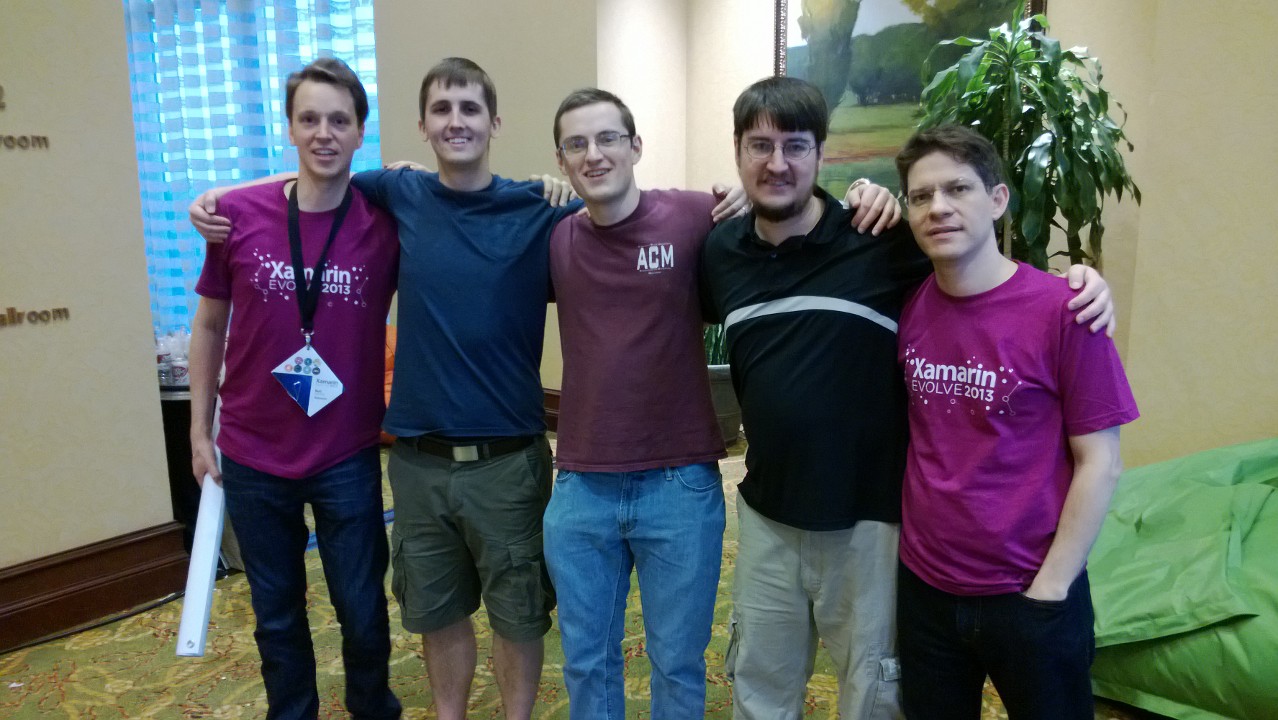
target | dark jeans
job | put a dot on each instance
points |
(1038, 653)
(266, 512)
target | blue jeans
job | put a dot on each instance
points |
(1038, 653)
(667, 524)
(266, 512)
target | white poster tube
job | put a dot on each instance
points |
(198, 604)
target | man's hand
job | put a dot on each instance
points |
(875, 206)
(204, 460)
(556, 192)
(213, 228)
(1094, 298)
(407, 165)
(732, 202)
(1038, 590)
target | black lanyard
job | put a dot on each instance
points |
(308, 293)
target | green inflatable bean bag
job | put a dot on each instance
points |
(1185, 583)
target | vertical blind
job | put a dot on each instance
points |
(207, 80)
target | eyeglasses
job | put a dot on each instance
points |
(577, 144)
(790, 149)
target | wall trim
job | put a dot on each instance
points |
(61, 591)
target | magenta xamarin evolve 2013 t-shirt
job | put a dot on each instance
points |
(997, 384)
(261, 426)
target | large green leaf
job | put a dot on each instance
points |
(1045, 110)
(1038, 165)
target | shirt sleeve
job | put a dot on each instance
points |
(568, 210)
(709, 310)
(909, 265)
(1095, 394)
(215, 276)
(375, 184)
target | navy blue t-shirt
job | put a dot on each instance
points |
(473, 286)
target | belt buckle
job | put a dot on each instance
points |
(465, 453)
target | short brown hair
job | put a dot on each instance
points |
(332, 71)
(962, 143)
(458, 71)
(593, 96)
(789, 104)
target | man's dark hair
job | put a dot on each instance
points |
(334, 72)
(788, 104)
(592, 96)
(963, 144)
(458, 71)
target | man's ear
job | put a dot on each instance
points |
(496, 127)
(1000, 196)
(636, 148)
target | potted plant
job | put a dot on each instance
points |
(1046, 112)
(726, 407)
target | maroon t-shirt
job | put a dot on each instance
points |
(635, 391)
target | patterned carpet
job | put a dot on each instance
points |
(127, 669)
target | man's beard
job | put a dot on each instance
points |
(781, 214)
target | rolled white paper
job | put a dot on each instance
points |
(199, 578)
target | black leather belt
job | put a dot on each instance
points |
(469, 452)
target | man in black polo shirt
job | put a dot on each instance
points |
(811, 306)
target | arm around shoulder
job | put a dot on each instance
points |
(202, 211)
(1094, 301)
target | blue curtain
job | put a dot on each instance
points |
(207, 81)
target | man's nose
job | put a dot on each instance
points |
(776, 159)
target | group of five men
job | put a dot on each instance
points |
(811, 303)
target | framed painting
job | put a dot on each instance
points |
(871, 60)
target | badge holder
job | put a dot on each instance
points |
(305, 376)
(308, 379)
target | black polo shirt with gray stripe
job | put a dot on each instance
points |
(811, 333)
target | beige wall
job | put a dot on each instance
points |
(643, 53)
(730, 46)
(534, 57)
(679, 65)
(1201, 335)
(1122, 38)
(81, 450)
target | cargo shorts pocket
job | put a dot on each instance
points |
(520, 597)
(398, 580)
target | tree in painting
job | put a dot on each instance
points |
(827, 26)
(868, 57)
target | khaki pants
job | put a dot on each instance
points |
(793, 587)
